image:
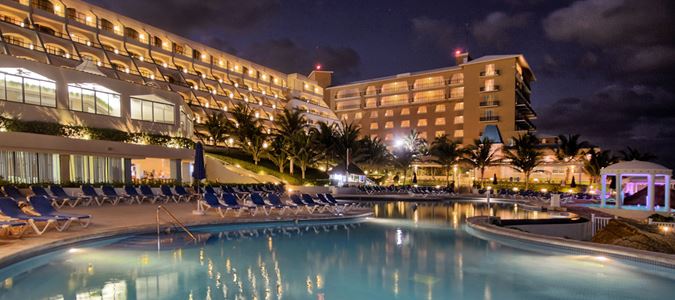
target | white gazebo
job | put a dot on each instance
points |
(636, 168)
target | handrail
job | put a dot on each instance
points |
(175, 219)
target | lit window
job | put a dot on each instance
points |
(490, 70)
(439, 121)
(422, 110)
(459, 106)
(457, 92)
(373, 114)
(405, 111)
(27, 87)
(489, 85)
(405, 123)
(146, 110)
(439, 133)
(389, 113)
(373, 126)
(388, 137)
(345, 117)
(459, 133)
(422, 122)
(358, 116)
(459, 120)
(440, 108)
(389, 124)
(94, 98)
(422, 135)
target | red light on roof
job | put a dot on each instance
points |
(318, 67)
(458, 52)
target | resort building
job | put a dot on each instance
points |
(458, 101)
(97, 86)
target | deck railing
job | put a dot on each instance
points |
(598, 223)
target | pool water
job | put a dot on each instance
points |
(394, 256)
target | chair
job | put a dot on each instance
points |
(166, 192)
(133, 194)
(332, 199)
(276, 201)
(89, 191)
(110, 192)
(259, 203)
(337, 207)
(10, 208)
(13, 192)
(310, 201)
(72, 201)
(41, 191)
(147, 192)
(211, 202)
(295, 198)
(231, 202)
(42, 206)
(183, 193)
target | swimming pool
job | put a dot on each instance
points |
(379, 258)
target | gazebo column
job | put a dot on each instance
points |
(650, 192)
(666, 190)
(603, 192)
(619, 191)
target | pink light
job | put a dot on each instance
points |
(318, 67)
(458, 52)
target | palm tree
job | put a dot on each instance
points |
(596, 161)
(408, 151)
(288, 125)
(248, 131)
(634, 154)
(347, 137)
(481, 155)
(216, 129)
(306, 153)
(524, 155)
(324, 135)
(377, 154)
(569, 149)
(446, 152)
(277, 154)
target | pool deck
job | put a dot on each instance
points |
(125, 219)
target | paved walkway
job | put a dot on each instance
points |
(124, 218)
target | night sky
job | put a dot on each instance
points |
(604, 68)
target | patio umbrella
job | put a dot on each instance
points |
(574, 183)
(494, 179)
(199, 171)
(414, 181)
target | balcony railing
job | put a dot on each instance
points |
(493, 89)
(489, 103)
(456, 81)
(489, 118)
(493, 73)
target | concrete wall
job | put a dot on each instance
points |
(577, 231)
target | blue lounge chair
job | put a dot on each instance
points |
(10, 208)
(133, 194)
(295, 198)
(147, 192)
(231, 202)
(72, 201)
(13, 192)
(41, 191)
(168, 194)
(182, 192)
(89, 191)
(310, 201)
(211, 202)
(337, 208)
(42, 206)
(259, 203)
(110, 192)
(276, 202)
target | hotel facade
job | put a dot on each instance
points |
(88, 95)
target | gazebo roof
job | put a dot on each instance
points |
(636, 167)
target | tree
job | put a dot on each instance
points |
(216, 129)
(596, 161)
(306, 153)
(569, 149)
(634, 154)
(277, 154)
(480, 155)
(446, 152)
(324, 136)
(524, 155)
(347, 137)
(288, 125)
(376, 153)
(409, 150)
(248, 131)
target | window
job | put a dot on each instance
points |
(345, 117)
(459, 120)
(152, 111)
(358, 116)
(373, 114)
(457, 92)
(405, 123)
(373, 126)
(21, 85)
(95, 99)
(85, 168)
(439, 121)
(389, 124)
(422, 122)
(489, 85)
(459, 133)
(459, 106)
(372, 102)
(422, 110)
(439, 133)
(389, 113)
(29, 167)
(422, 135)
(490, 70)
(388, 137)
(405, 111)
(440, 108)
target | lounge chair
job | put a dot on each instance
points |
(231, 203)
(168, 194)
(13, 192)
(110, 192)
(89, 191)
(276, 202)
(133, 194)
(183, 193)
(307, 198)
(42, 206)
(41, 191)
(259, 203)
(337, 207)
(10, 208)
(295, 198)
(72, 201)
(332, 199)
(147, 192)
(211, 202)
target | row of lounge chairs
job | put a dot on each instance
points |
(41, 217)
(407, 189)
(225, 202)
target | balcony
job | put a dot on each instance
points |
(489, 118)
(488, 89)
(488, 74)
(489, 103)
(456, 82)
(348, 107)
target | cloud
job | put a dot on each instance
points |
(436, 33)
(495, 29)
(288, 56)
(617, 116)
(189, 17)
